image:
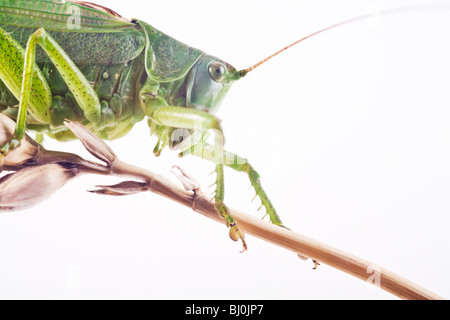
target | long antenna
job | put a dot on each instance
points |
(242, 73)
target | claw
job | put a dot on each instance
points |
(244, 246)
(316, 264)
(236, 234)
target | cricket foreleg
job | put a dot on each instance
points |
(179, 117)
(242, 165)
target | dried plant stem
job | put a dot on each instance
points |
(282, 237)
(336, 258)
(34, 156)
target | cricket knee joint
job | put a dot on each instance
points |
(252, 173)
(150, 103)
(243, 166)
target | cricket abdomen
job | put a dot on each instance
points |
(116, 85)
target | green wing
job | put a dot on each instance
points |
(87, 34)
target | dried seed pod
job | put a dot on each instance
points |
(32, 185)
(28, 149)
(188, 181)
(122, 189)
(92, 143)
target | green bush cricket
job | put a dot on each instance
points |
(131, 71)
(303, 111)
(110, 88)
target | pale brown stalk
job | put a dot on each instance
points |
(40, 159)
(305, 246)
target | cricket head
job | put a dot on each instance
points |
(208, 83)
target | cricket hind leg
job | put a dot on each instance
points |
(32, 88)
(20, 75)
(241, 165)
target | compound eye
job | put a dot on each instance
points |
(217, 71)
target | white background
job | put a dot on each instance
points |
(349, 131)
